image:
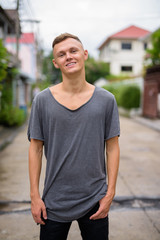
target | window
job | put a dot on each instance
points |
(126, 46)
(145, 46)
(126, 68)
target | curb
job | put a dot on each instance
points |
(153, 124)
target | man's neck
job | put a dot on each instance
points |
(74, 84)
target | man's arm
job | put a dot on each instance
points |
(35, 162)
(112, 152)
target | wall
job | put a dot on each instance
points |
(117, 57)
(151, 93)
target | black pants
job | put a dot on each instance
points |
(90, 229)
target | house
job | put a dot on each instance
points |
(28, 66)
(27, 52)
(8, 28)
(125, 51)
(21, 83)
(7, 23)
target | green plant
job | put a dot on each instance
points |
(50, 73)
(154, 53)
(3, 62)
(114, 89)
(12, 116)
(113, 78)
(7, 94)
(95, 70)
(44, 84)
(129, 96)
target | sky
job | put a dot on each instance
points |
(91, 20)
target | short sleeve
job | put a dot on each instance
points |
(35, 130)
(112, 124)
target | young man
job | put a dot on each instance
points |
(74, 121)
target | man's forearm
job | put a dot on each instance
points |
(38, 208)
(113, 152)
(35, 163)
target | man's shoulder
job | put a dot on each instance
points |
(41, 95)
(104, 93)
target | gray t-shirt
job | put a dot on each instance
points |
(74, 144)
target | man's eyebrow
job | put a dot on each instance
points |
(60, 52)
(63, 51)
(73, 48)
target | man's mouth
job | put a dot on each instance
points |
(70, 64)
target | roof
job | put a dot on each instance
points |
(5, 19)
(2, 11)
(25, 38)
(131, 32)
(12, 13)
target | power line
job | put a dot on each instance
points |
(25, 10)
(30, 8)
(30, 20)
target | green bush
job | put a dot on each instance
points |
(113, 78)
(95, 70)
(3, 63)
(127, 96)
(114, 89)
(12, 116)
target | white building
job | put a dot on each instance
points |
(125, 51)
(27, 69)
(27, 53)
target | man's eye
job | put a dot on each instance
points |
(73, 51)
(61, 55)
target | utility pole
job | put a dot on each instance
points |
(38, 56)
(17, 51)
(17, 33)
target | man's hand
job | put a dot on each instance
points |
(38, 210)
(104, 206)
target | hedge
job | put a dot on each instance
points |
(12, 116)
(127, 96)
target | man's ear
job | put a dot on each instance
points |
(54, 63)
(85, 55)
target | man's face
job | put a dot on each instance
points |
(69, 56)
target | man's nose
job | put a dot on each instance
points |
(68, 55)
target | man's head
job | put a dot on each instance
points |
(69, 54)
(63, 37)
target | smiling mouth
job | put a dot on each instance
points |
(70, 64)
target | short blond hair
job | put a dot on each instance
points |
(63, 37)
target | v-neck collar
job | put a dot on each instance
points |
(72, 110)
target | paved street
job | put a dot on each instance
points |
(135, 213)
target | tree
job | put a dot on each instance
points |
(95, 70)
(51, 74)
(9, 115)
(3, 63)
(154, 53)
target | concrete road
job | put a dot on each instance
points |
(135, 212)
